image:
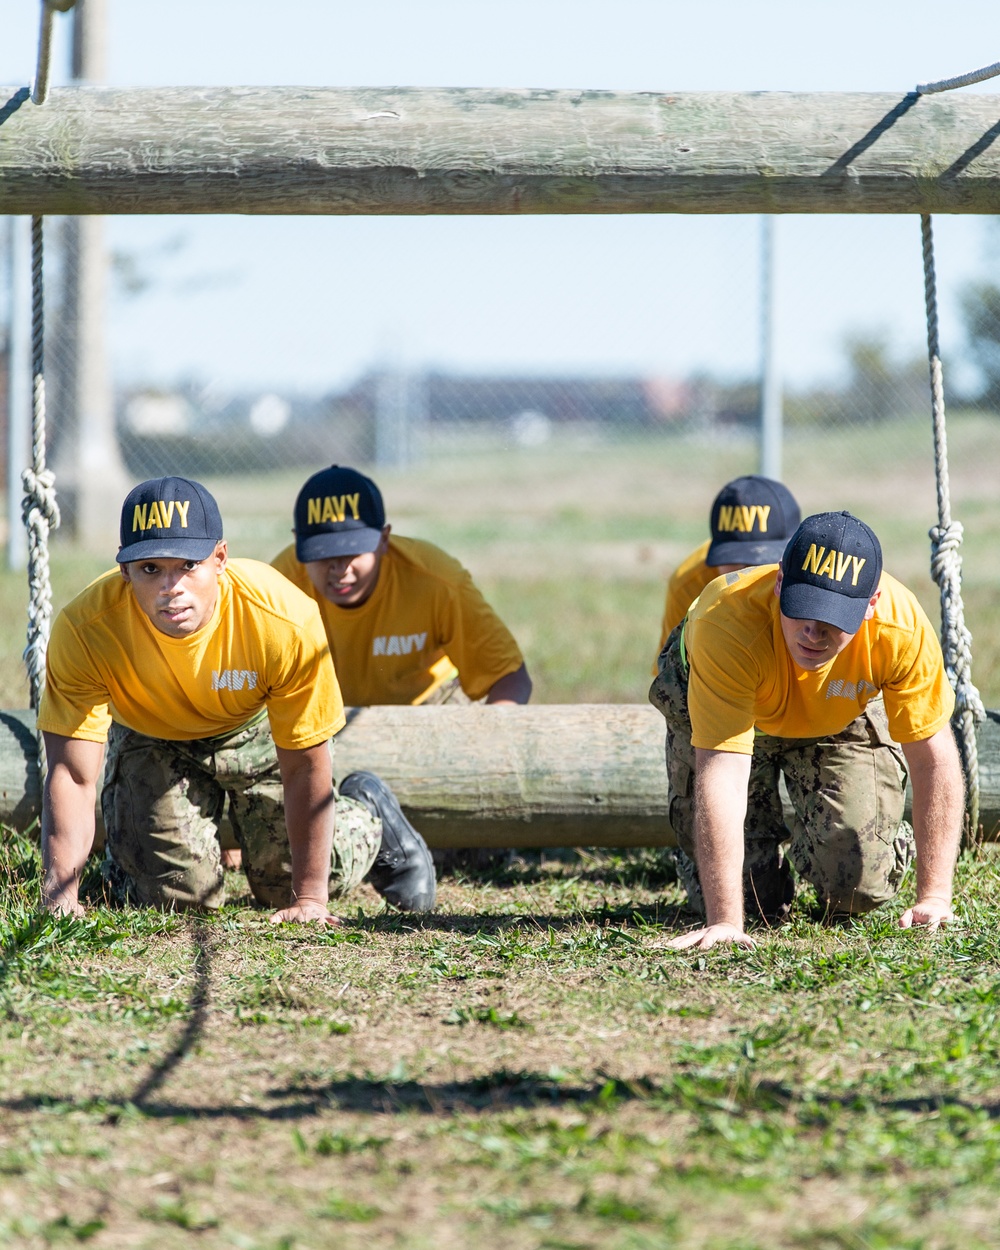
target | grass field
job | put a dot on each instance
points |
(528, 1067)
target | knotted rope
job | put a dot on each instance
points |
(946, 565)
(946, 536)
(39, 509)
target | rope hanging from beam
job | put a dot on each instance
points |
(39, 509)
(946, 565)
(946, 536)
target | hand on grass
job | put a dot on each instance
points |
(712, 935)
(927, 913)
(305, 913)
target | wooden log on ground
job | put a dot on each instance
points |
(543, 775)
(20, 789)
(407, 150)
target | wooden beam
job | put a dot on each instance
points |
(434, 150)
(541, 775)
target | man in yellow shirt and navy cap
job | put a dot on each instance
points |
(209, 679)
(405, 622)
(815, 669)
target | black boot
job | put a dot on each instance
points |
(403, 871)
(769, 895)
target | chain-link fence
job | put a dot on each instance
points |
(395, 417)
(475, 459)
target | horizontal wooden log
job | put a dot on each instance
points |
(541, 775)
(408, 150)
(20, 791)
(535, 776)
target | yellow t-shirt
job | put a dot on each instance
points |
(742, 678)
(264, 647)
(686, 583)
(424, 622)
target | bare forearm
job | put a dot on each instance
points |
(309, 819)
(310, 840)
(720, 810)
(720, 802)
(720, 870)
(938, 808)
(74, 766)
(67, 837)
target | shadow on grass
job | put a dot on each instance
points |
(194, 1024)
(625, 916)
(505, 1091)
(497, 1091)
(651, 868)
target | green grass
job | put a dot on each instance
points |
(528, 1067)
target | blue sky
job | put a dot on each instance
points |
(311, 303)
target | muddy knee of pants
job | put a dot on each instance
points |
(680, 799)
(164, 879)
(863, 877)
(162, 836)
(849, 839)
(267, 858)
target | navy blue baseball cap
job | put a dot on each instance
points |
(169, 517)
(338, 512)
(830, 570)
(752, 519)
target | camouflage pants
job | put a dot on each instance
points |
(162, 803)
(847, 836)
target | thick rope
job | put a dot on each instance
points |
(39, 508)
(946, 565)
(963, 80)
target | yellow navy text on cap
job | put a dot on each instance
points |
(159, 514)
(332, 508)
(832, 563)
(741, 517)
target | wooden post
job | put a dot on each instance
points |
(435, 150)
(542, 775)
(89, 470)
